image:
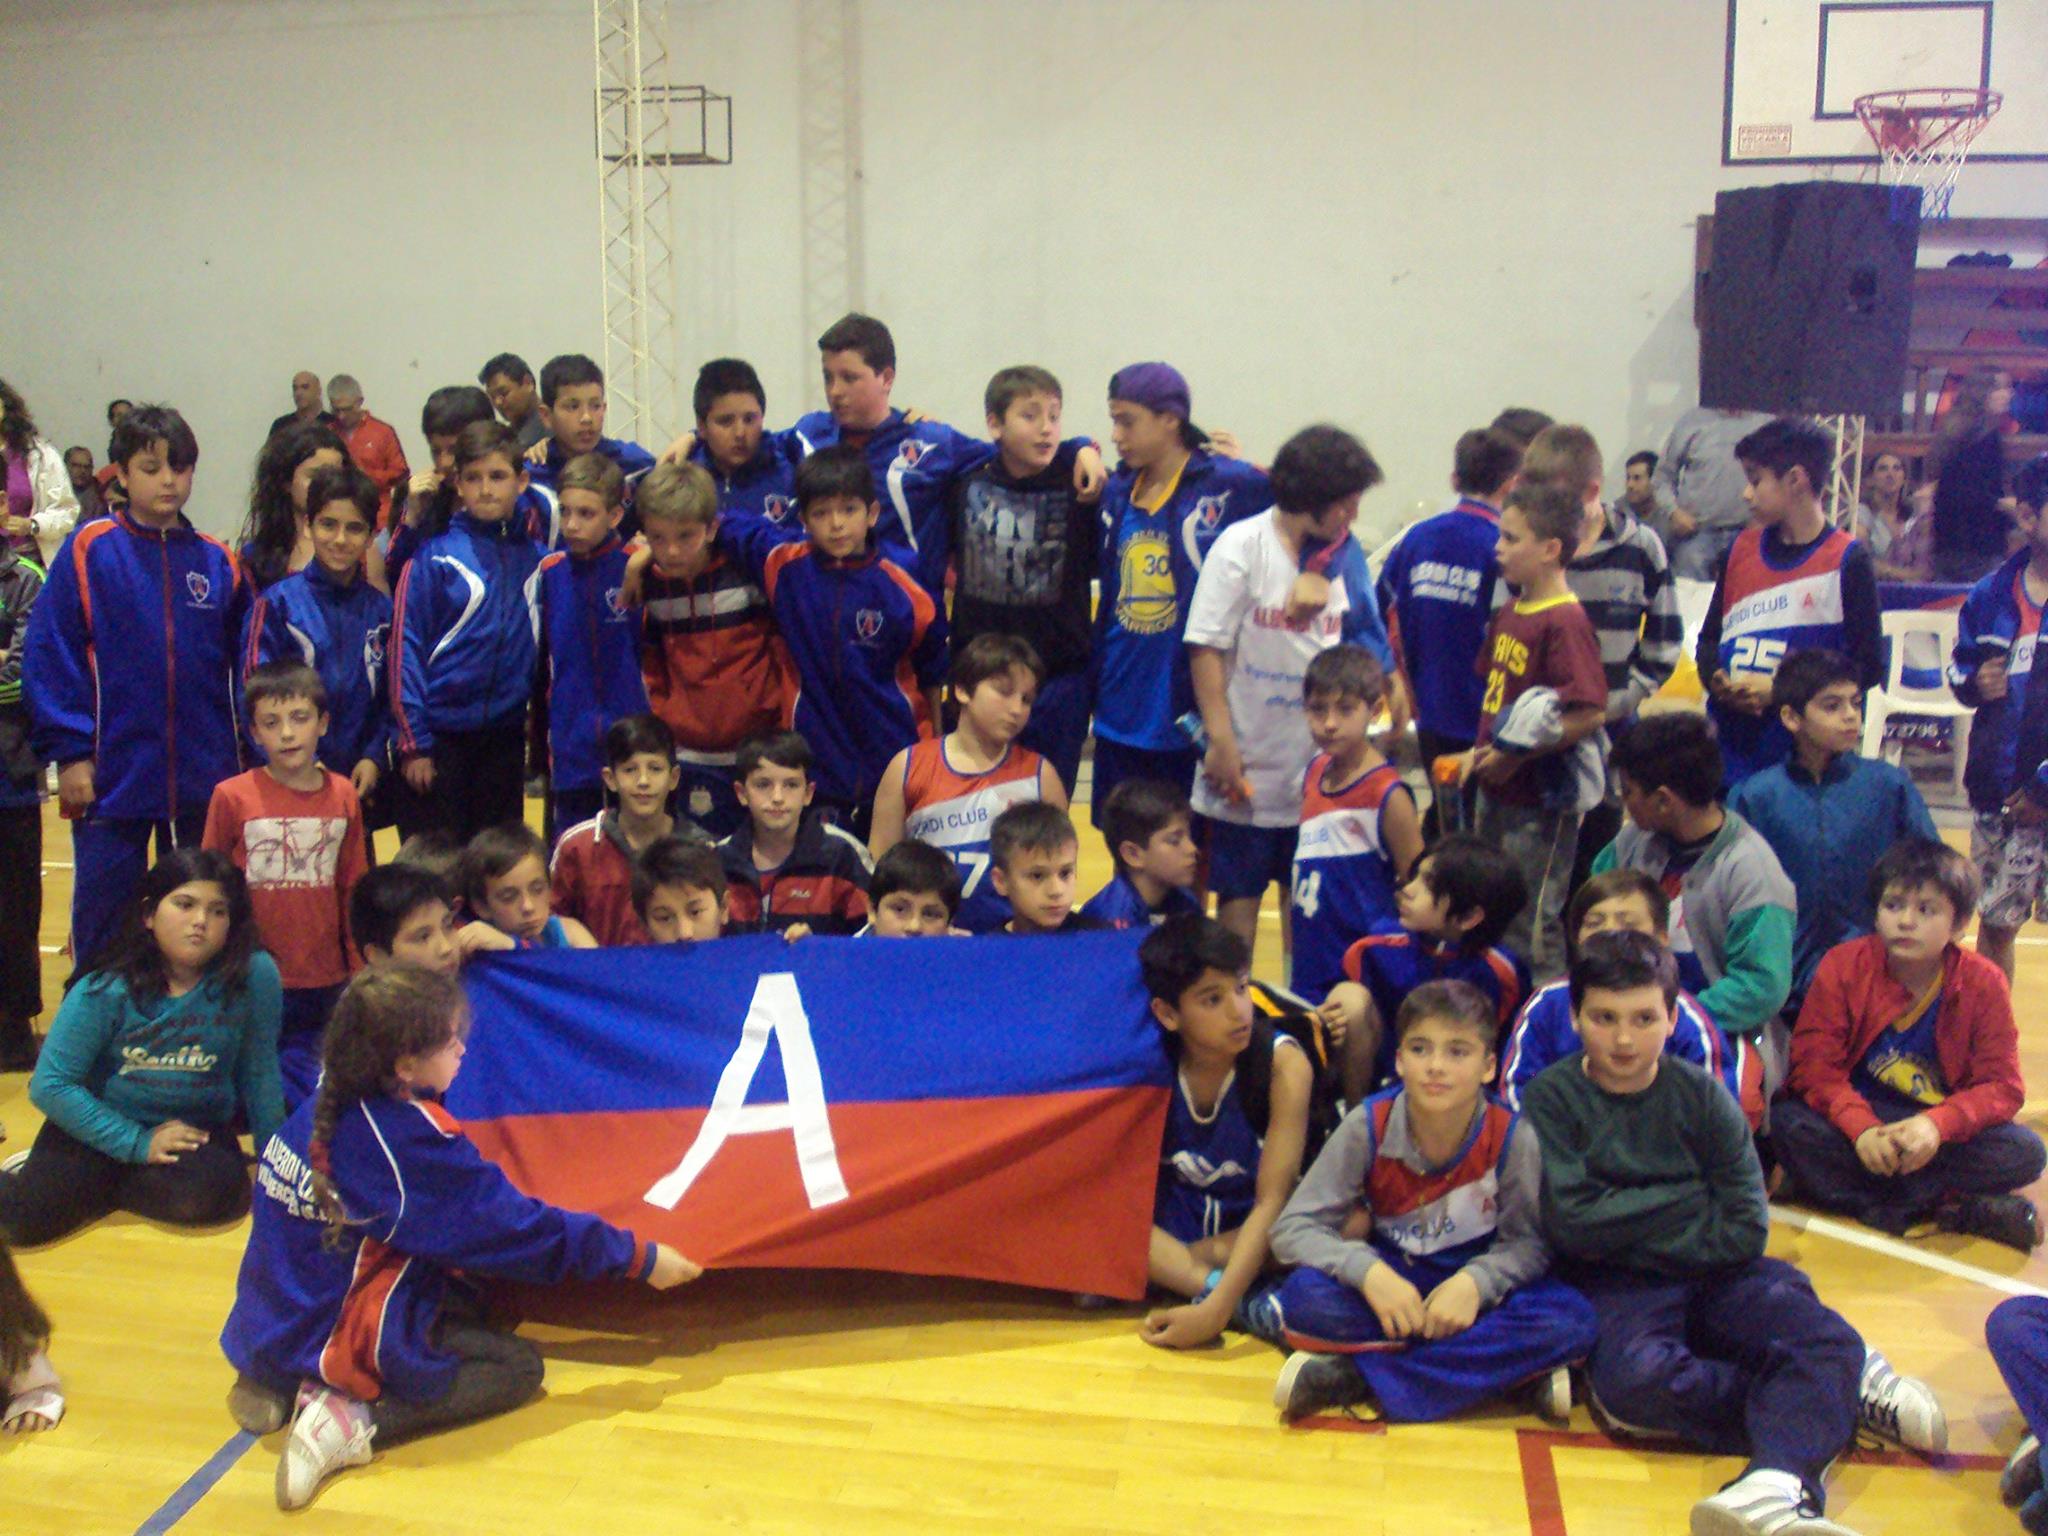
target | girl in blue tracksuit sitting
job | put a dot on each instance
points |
(368, 1199)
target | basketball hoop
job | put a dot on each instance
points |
(1923, 136)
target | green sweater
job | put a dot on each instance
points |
(1662, 1182)
(114, 1068)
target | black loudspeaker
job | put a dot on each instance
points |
(1809, 299)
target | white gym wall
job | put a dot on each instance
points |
(1397, 216)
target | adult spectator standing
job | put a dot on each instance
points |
(1698, 475)
(84, 485)
(40, 507)
(111, 492)
(514, 396)
(1643, 499)
(1966, 464)
(305, 403)
(371, 443)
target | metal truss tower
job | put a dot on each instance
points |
(1845, 481)
(638, 115)
(829, 161)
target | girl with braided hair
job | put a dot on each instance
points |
(368, 1199)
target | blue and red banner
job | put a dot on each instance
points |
(989, 1108)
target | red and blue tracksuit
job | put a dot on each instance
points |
(866, 639)
(766, 484)
(422, 1201)
(464, 634)
(2009, 735)
(343, 633)
(1544, 1033)
(590, 649)
(915, 465)
(130, 660)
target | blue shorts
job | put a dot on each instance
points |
(705, 795)
(1115, 762)
(1058, 727)
(1184, 1212)
(1244, 860)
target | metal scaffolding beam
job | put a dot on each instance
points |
(636, 211)
(1844, 491)
(829, 161)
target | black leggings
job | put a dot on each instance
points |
(66, 1184)
(496, 1372)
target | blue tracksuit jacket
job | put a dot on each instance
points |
(915, 466)
(422, 1201)
(130, 660)
(866, 639)
(590, 652)
(766, 486)
(341, 632)
(463, 649)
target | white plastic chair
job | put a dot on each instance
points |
(1918, 630)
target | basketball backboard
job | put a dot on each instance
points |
(1796, 67)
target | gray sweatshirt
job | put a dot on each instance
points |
(1308, 1231)
(1698, 469)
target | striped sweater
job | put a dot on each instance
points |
(1623, 581)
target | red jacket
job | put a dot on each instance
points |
(592, 874)
(375, 448)
(715, 668)
(1852, 999)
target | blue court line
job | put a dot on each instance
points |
(198, 1485)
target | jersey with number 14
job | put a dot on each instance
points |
(1343, 876)
(953, 811)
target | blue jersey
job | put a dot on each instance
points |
(1208, 1164)
(914, 465)
(421, 1202)
(131, 661)
(464, 641)
(1391, 965)
(1438, 591)
(1544, 1034)
(590, 646)
(1150, 561)
(341, 632)
(766, 485)
(1343, 874)
(1118, 905)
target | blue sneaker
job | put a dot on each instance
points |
(1258, 1313)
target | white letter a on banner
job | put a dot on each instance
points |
(777, 1010)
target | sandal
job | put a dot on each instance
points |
(33, 1411)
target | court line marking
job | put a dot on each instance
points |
(1892, 1248)
(198, 1485)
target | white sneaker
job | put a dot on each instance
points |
(332, 1431)
(1901, 1408)
(1551, 1396)
(13, 1162)
(1762, 1504)
(2021, 1479)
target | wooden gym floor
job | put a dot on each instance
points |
(789, 1402)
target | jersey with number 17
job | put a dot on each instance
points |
(953, 811)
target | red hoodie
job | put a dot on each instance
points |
(1853, 999)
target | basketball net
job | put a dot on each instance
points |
(1923, 136)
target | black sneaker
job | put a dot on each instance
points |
(1310, 1384)
(2008, 1219)
(2021, 1479)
